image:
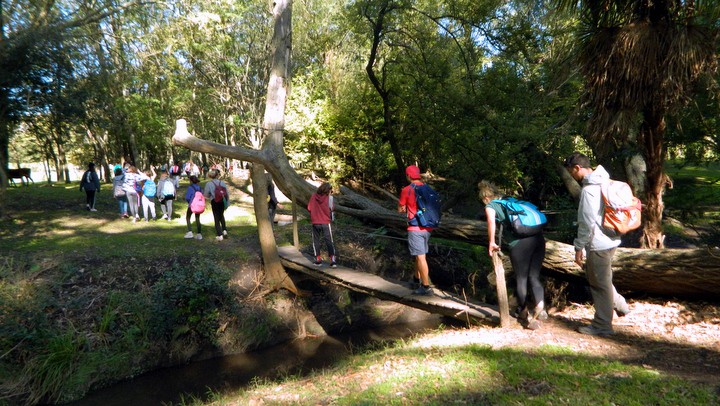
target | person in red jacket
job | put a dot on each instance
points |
(418, 236)
(321, 209)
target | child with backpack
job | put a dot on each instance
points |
(196, 205)
(527, 252)
(132, 179)
(166, 190)
(149, 191)
(321, 210)
(216, 192)
(90, 183)
(418, 233)
(118, 191)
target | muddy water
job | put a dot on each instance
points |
(171, 385)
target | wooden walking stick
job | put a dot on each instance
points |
(500, 286)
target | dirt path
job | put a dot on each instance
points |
(675, 338)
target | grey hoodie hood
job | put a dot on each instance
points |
(597, 177)
(590, 211)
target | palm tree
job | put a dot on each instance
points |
(641, 61)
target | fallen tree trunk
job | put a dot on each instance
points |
(691, 273)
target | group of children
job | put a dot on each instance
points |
(135, 189)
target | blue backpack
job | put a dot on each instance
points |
(524, 217)
(428, 205)
(149, 189)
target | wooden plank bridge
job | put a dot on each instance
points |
(444, 303)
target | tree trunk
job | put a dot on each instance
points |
(692, 273)
(274, 124)
(275, 275)
(651, 137)
(388, 127)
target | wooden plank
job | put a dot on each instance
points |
(442, 302)
(501, 289)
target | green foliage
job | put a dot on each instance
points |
(188, 298)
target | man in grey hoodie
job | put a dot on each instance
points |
(599, 246)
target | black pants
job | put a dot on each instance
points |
(90, 198)
(188, 216)
(527, 257)
(323, 232)
(218, 210)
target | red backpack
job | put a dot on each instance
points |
(221, 194)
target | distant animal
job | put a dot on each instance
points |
(20, 173)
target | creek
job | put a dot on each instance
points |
(230, 373)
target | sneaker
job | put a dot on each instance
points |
(414, 283)
(189, 234)
(623, 311)
(333, 265)
(424, 291)
(219, 238)
(198, 236)
(134, 220)
(521, 313)
(224, 233)
(595, 331)
(87, 207)
(318, 261)
(533, 325)
(539, 312)
(93, 209)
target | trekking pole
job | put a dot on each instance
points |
(501, 286)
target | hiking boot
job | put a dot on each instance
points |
(198, 236)
(595, 331)
(189, 234)
(219, 238)
(423, 291)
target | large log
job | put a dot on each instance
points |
(690, 273)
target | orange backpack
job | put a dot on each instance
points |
(622, 210)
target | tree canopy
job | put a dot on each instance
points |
(468, 90)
